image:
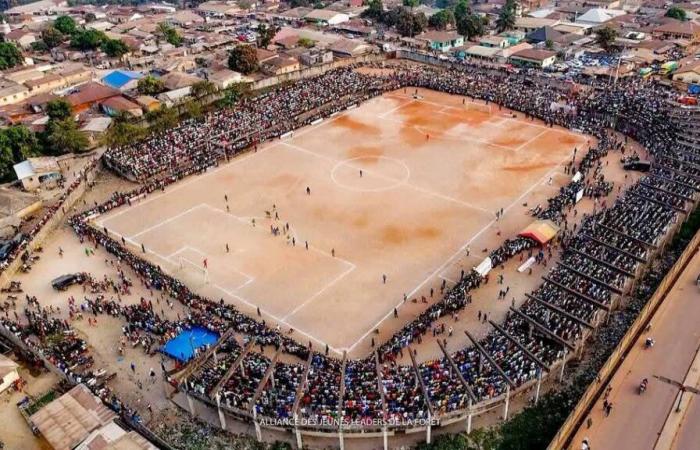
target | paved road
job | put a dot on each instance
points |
(636, 420)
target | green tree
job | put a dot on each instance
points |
(605, 37)
(411, 3)
(65, 24)
(243, 59)
(442, 19)
(10, 55)
(409, 24)
(202, 89)
(677, 13)
(59, 109)
(87, 39)
(162, 119)
(266, 34)
(193, 109)
(506, 18)
(17, 143)
(306, 42)
(461, 10)
(150, 85)
(232, 94)
(39, 46)
(122, 132)
(52, 37)
(90, 17)
(470, 26)
(374, 11)
(170, 34)
(115, 48)
(549, 44)
(63, 136)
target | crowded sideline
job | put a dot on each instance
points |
(598, 261)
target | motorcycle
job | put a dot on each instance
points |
(649, 343)
(643, 386)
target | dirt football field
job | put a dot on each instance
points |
(399, 187)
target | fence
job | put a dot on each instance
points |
(50, 225)
(590, 396)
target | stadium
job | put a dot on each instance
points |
(387, 250)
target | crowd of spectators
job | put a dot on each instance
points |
(596, 262)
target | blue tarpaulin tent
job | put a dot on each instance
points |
(183, 346)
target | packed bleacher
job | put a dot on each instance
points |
(597, 262)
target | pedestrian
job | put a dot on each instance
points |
(133, 367)
(308, 190)
(227, 249)
(384, 279)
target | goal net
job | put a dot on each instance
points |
(191, 273)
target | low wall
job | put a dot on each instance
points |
(595, 390)
(50, 225)
(314, 71)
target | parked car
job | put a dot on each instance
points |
(65, 281)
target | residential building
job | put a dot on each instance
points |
(676, 29)
(35, 173)
(326, 17)
(21, 37)
(533, 58)
(281, 65)
(114, 106)
(89, 94)
(345, 48)
(11, 92)
(599, 16)
(442, 41)
(78, 420)
(689, 74)
(225, 77)
(8, 372)
(528, 24)
(122, 80)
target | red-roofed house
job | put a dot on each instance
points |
(89, 94)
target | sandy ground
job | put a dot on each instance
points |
(636, 419)
(400, 187)
(373, 222)
(14, 431)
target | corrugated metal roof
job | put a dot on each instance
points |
(68, 420)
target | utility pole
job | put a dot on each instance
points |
(681, 388)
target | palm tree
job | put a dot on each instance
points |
(506, 18)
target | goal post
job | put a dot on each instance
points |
(196, 272)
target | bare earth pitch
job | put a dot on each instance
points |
(399, 187)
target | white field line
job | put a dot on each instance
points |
(393, 110)
(449, 261)
(388, 178)
(166, 221)
(521, 146)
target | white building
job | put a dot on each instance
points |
(326, 17)
(8, 372)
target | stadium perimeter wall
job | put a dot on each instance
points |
(63, 210)
(567, 431)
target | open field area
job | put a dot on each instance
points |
(400, 186)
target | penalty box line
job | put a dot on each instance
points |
(241, 299)
(439, 271)
(250, 279)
